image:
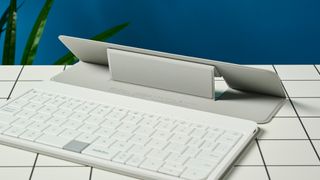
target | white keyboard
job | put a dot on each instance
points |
(166, 146)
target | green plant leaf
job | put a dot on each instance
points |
(3, 20)
(69, 58)
(33, 41)
(9, 47)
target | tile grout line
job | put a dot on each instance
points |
(317, 69)
(34, 165)
(264, 162)
(14, 85)
(90, 175)
(295, 110)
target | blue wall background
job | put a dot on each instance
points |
(240, 31)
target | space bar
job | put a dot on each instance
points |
(55, 141)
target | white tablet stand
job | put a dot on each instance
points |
(131, 75)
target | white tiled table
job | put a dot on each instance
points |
(288, 147)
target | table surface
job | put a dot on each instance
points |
(287, 148)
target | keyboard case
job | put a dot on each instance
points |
(252, 106)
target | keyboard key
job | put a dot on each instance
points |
(75, 146)
(4, 127)
(113, 124)
(200, 164)
(56, 120)
(105, 132)
(87, 138)
(53, 130)
(121, 157)
(30, 135)
(9, 110)
(71, 124)
(157, 143)
(101, 111)
(33, 106)
(56, 141)
(48, 109)
(94, 120)
(25, 114)
(121, 136)
(54, 102)
(40, 117)
(160, 134)
(139, 139)
(88, 128)
(19, 103)
(210, 156)
(79, 116)
(86, 107)
(121, 145)
(38, 126)
(22, 123)
(139, 150)
(151, 164)
(177, 158)
(135, 160)
(62, 113)
(14, 131)
(180, 139)
(39, 99)
(70, 105)
(7, 119)
(102, 141)
(70, 133)
(100, 152)
(127, 127)
(157, 154)
(170, 171)
(132, 119)
(144, 130)
(175, 148)
(195, 174)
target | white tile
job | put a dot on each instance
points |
(5, 88)
(302, 88)
(250, 156)
(294, 173)
(22, 87)
(265, 67)
(312, 126)
(288, 152)
(316, 144)
(98, 174)
(15, 173)
(286, 110)
(15, 157)
(318, 68)
(40, 72)
(241, 173)
(307, 106)
(9, 72)
(282, 128)
(297, 72)
(50, 161)
(61, 173)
